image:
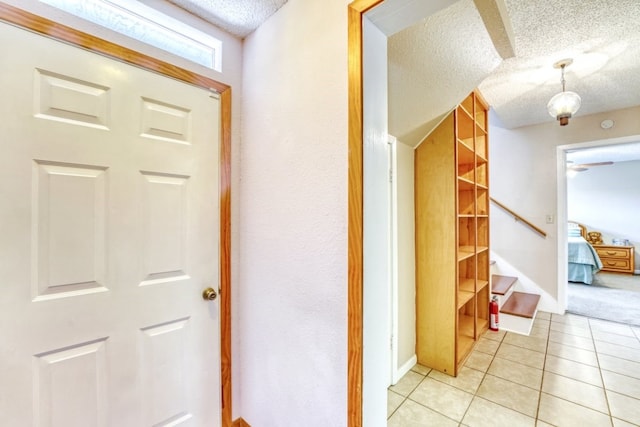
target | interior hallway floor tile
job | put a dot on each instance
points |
(572, 371)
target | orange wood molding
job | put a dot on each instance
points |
(70, 35)
(239, 422)
(355, 211)
(58, 31)
(225, 255)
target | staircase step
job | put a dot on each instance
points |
(500, 285)
(521, 304)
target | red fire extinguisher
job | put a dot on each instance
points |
(493, 314)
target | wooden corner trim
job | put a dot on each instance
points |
(239, 422)
(355, 210)
(225, 257)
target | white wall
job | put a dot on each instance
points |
(231, 75)
(377, 229)
(607, 199)
(524, 177)
(406, 254)
(293, 194)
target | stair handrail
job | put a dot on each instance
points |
(519, 218)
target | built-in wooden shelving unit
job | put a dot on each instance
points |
(452, 237)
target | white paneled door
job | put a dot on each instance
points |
(108, 236)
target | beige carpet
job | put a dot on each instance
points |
(627, 282)
(614, 297)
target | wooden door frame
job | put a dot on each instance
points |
(46, 27)
(356, 10)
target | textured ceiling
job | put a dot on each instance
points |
(433, 65)
(446, 55)
(438, 60)
(237, 17)
(602, 37)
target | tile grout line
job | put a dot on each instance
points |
(544, 365)
(596, 354)
(484, 375)
(609, 414)
(424, 406)
(604, 387)
(405, 398)
(548, 329)
(543, 372)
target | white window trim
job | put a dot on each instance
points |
(143, 23)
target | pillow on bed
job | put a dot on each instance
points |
(574, 232)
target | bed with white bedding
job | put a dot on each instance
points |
(582, 257)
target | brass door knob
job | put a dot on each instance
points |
(209, 294)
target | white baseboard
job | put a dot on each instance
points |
(406, 367)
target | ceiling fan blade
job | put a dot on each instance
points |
(588, 165)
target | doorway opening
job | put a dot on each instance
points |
(606, 213)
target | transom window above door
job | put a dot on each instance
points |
(143, 23)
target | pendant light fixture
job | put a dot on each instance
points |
(565, 104)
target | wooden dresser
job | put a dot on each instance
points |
(616, 258)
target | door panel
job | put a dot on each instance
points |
(109, 217)
(165, 209)
(72, 381)
(68, 225)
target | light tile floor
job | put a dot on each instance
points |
(571, 371)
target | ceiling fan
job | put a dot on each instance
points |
(584, 166)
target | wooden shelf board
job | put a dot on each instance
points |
(480, 249)
(481, 284)
(469, 113)
(465, 252)
(466, 284)
(464, 297)
(465, 181)
(467, 142)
